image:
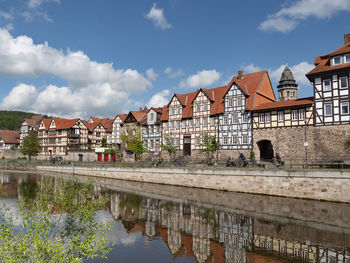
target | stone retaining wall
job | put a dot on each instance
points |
(314, 184)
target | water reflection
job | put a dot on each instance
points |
(271, 230)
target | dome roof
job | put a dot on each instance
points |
(287, 79)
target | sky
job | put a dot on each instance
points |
(83, 58)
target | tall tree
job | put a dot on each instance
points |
(132, 139)
(169, 147)
(30, 146)
(209, 145)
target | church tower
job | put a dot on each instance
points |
(287, 88)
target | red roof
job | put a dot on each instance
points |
(137, 116)
(47, 123)
(322, 63)
(285, 104)
(9, 137)
(34, 121)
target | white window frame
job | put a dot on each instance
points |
(184, 124)
(244, 117)
(234, 139)
(261, 118)
(172, 111)
(198, 140)
(347, 58)
(327, 87)
(198, 123)
(341, 106)
(230, 102)
(245, 139)
(340, 60)
(346, 81)
(212, 121)
(302, 114)
(280, 116)
(325, 109)
(205, 106)
(225, 120)
(267, 117)
(294, 114)
(177, 124)
(225, 140)
(190, 123)
(177, 141)
(172, 125)
(205, 121)
(234, 118)
(198, 107)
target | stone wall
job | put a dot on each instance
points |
(315, 184)
(324, 142)
(11, 154)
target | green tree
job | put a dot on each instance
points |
(104, 143)
(169, 147)
(209, 145)
(30, 146)
(54, 228)
(132, 139)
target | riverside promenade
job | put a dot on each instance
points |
(328, 185)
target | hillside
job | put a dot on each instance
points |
(12, 120)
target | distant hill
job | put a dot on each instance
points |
(12, 120)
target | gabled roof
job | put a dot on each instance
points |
(34, 121)
(285, 104)
(136, 116)
(105, 122)
(217, 95)
(122, 117)
(66, 124)
(322, 63)
(9, 137)
(46, 123)
(256, 86)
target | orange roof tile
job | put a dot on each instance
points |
(285, 104)
(139, 115)
(10, 137)
(34, 121)
(66, 124)
(322, 63)
(47, 123)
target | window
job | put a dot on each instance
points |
(212, 121)
(177, 141)
(245, 117)
(205, 121)
(239, 101)
(327, 85)
(152, 116)
(301, 114)
(172, 125)
(328, 109)
(225, 140)
(190, 123)
(198, 123)
(280, 116)
(294, 115)
(172, 111)
(166, 125)
(336, 61)
(177, 124)
(261, 117)
(267, 117)
(184, 124)
(230, 102)
(59, 132)
(225, 120)
(59, 140)
(347, 58)
(197, 140)
(287, 93)
(198, 107)
(98, 134)
(345, 108)
(343, 82)
(205, 106)
(245, 139)
(178, 110)
(234, 139)
(235, 118)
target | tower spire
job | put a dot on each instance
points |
(287, 87)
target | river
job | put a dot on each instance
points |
(160, 223)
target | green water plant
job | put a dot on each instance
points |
(54, 225)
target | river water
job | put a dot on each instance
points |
(159, 223)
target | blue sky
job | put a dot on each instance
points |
(103, 57)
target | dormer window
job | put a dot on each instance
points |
(337, 60)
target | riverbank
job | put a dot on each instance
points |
(307, 184)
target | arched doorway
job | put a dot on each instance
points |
(266, 150)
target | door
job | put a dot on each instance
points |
(187, 145)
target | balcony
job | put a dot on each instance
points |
(73, 141)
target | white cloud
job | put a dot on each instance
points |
(286, 19)
(21, 97)
(151, 74)
(94, 88)
(173, 73)
(159, 99)
(9, 27)
(251, 68)
(202, 79)
(298, 70)
(158, 18)
(38, 3)
(5, 15)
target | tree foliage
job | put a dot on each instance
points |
(30, 146)
(12, 120)
(132, 139)
(209, 145)
(54, 228)
(169, 147)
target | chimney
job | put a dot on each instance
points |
(346, 38)
(240, 74)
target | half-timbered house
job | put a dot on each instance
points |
(117, 127)
(152, 130)
(330, 80)
(243, 94)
